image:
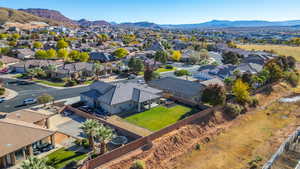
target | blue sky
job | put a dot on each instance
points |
(167, 11)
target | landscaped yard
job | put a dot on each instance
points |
(62, 157)
(161, 70)
(46, 82)
(278, 49)
(158, 117)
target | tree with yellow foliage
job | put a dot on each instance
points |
(241, 91)
(176, 55)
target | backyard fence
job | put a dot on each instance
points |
(284, 147)
(141, 142)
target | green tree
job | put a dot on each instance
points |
(83, 57)
(214, 95)
(231, 58)
(128, 38)
(74, 55)
(41, 54)
(37, 45)
(15, 36)
(89, 127)
(62, 44)
(35, 163)
(44, 99)
(51, 53)
(276, 72)
(160, 56)
(120, 53)
(63, 53)
(241, 91)
(150, 75)
(105, 135)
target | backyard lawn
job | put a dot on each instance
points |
(158, 117)
(161, 70)
(60, 158)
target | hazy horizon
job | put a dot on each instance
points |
(167, 11)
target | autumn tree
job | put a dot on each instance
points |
(120, 53)
(37, 45)
(62, 44)
(176, 55)
(241, 91)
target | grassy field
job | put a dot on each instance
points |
(161, 70)
(60, 158)
(250, 138)
(159, 117)
(278, 49)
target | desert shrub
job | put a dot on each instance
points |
(233, 110)
(2, 91)
(197, 146)
(292, 78)
(253, 102)
(138, 165)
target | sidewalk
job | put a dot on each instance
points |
(9, 94)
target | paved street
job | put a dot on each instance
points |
(35, 90)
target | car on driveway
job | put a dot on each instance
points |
(29, 101)
(2, 99)
(132, 76)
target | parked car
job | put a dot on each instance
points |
(141, 81)
(23, 83)
(2, 99)
(132, 76)
(30, 101)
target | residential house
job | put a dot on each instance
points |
(7, 61)
(24, 66)
(212, 71)
(184, 91)
(120, 97)
(25, 53)
(102, 57)
(69, 70)
(21, 134)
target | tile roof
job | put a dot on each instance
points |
(17, 134)
(26, 115)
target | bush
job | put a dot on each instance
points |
(138, 165)
(233, 110)
(182, 73)
(197, 146)
(169, 67)
(2, 91)
(254, 102)
(71, 165)
(292, 78)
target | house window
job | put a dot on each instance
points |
(19, 154)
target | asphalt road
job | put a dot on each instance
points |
(34, 90)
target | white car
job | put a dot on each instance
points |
(2, 99)
(30, 101)
(141, 81)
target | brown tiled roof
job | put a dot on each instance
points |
(17, 134)
(26, 115)
(8, 60)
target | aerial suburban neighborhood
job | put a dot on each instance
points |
(140, 95)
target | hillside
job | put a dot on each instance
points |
(84, 22)
(52, 15)
(15, 16)
(226, 24)
(141, 25)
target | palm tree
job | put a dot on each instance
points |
(104, 134)
(35, 163)
(89, 128)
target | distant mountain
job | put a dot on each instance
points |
(226, 24)
(141, 25)
(84, 22)
(12, 15)
(51, 14)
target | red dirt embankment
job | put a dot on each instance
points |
(168, 150)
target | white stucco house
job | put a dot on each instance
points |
(120, 97)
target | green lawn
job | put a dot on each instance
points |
(161, 70)
(46, 82)
(60, 158)
(158, 117)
